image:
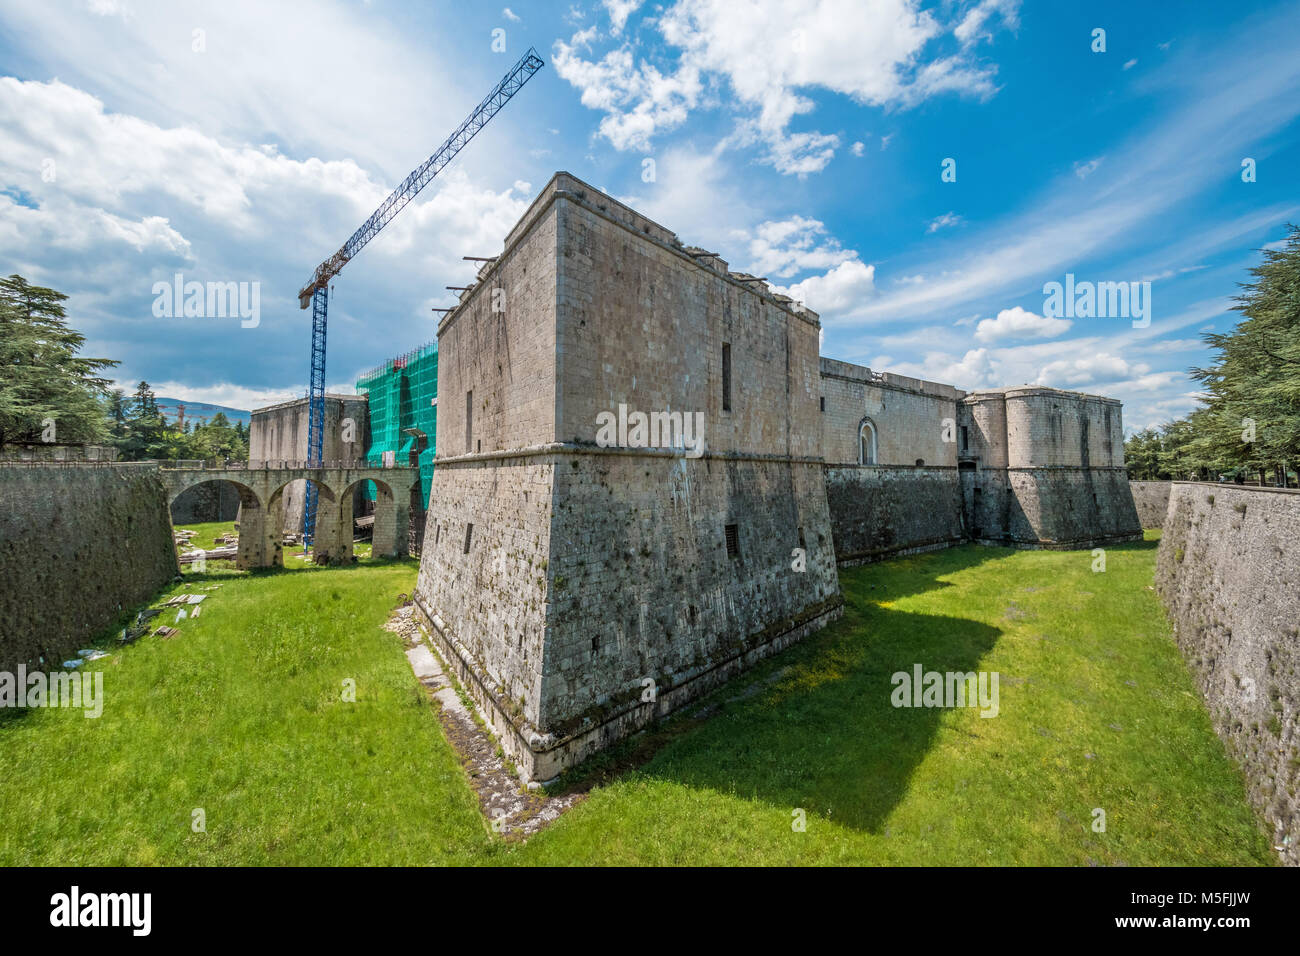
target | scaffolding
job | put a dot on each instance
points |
(403, 400)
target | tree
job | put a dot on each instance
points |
(1252, 413)
(148, 436)
(1142, 455)
(116, 412)
(42, 377)
(1249, 423)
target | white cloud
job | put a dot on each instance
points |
(1130, 64)
(619, 11)
(858, 148)
(231, 395)
(840, 290)
(1016, 323)
(1170, 273)
(131, 203)
(701, 198)
(943, 222)
(1099, 367)
(969, 30)
(786, 247)
(510, 15)
(975, 369)
(872, 53)
(252, 82)
(108, 8)
(637, 99)
(1084, 170)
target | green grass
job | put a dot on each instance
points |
(206, 533)
(242, 716)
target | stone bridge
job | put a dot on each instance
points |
(261, 492)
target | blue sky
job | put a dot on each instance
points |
(803, 140)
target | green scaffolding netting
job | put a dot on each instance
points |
(403, 411)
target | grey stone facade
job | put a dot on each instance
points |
(1151, 498)
(580, 587)
(601, 585)
(1042, 467)
(278, 433)
(1227, 572)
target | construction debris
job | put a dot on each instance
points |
(130, 636)
(216, 554)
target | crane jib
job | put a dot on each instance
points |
(510, 84)
(316, 292)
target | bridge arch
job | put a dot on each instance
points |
(392, 515)
(331, 537)
(247, 496)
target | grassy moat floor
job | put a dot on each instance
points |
(242, 715)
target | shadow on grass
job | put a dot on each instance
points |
(814, 727)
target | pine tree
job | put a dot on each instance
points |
(148, 435)
(42, 378)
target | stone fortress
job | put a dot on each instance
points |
(580, 588)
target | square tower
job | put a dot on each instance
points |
(628, 504)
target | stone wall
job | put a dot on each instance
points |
(56, 451)
(1227, 572)
(210, 501)
(908, 416)
(591, 570)
(1045, 468)
(1151, 498)
(881, 511)
(79, 544)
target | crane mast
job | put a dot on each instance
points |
(316, 292)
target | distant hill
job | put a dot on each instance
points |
(200, 411)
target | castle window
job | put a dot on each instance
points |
(823, 403)
(469, 421)
(733, 541)
(469, 534)
(866, 443)
(965, 438)
(726, 376)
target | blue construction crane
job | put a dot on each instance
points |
(316, 292)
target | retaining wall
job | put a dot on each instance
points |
(1151, 498)
(79, 543)
(878, 510)
(1228, 572)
